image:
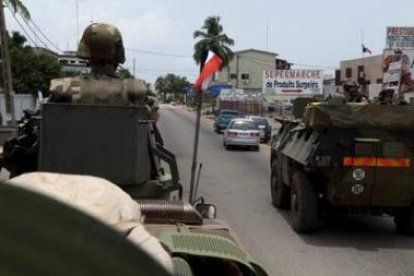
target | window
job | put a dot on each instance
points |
(348, 73)
(245, 76)
(337, 77)
(233, 76)
(361, 74)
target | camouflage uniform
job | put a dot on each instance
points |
(352, 94)
(102, 46)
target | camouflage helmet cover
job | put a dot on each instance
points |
(102, 42)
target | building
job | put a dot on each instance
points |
(353, 69)
(245, 71)
(71, 64)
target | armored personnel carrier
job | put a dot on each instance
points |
(120, 144)
(348, 158)
(104, 127)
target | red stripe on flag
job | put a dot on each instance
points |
(211, 66)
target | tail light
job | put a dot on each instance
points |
(231, 134)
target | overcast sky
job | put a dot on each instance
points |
(311, 34)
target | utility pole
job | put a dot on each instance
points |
(7, 78)
(237, 71)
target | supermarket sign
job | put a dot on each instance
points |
(399, 37)
(293, 82)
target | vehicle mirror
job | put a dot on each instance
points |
(207, 211)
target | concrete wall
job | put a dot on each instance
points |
(372, 67)
(251, 62)
(21, 102)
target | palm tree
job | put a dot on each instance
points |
(212, 38)
(17, 6)
(161, 87)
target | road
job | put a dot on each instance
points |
(237, 182)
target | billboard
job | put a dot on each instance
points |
(398, 68)
(400, 37)
(293, 82)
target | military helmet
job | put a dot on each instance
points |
(102, 42)
(349, 85)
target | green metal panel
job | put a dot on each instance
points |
(213, 246)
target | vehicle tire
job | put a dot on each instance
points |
(226, 147)
(256, 148)
(404, 221)
(303, 204)
(279, 191)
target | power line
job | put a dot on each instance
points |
(41, 32)
(24, 30)
(31, 29)
(27, 23)
(158, 53)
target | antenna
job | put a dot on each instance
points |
(267, 36)
(77, 21)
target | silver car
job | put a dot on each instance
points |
(241, 132)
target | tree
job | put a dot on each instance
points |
(212, 37)
(172, 84)
(124, 73)
(17, 6)
(31, 70)
(161, 87)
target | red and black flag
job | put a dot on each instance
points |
(366, 50)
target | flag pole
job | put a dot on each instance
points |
(199, 101)
(364, 82)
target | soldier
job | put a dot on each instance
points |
(351, 91)
(386, 96)
(101, 44)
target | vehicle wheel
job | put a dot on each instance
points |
(226, 147)
(256, 148)
(216, 130)
(279, 191)
(404, 221)
(303, 204)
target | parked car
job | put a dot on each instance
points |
(264, 127)
(242, 132)
(223, 119)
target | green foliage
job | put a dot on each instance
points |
(17, 6)
(124, 73)
(212, 37)
(172, 85)
(31, 70)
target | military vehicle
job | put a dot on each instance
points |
(108, 136)
(119, 144)
(352, 158)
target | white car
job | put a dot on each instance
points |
(241, 132)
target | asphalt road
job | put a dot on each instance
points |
(237, 182)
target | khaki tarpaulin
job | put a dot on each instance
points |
(321, 116)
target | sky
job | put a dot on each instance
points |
(158, 34)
